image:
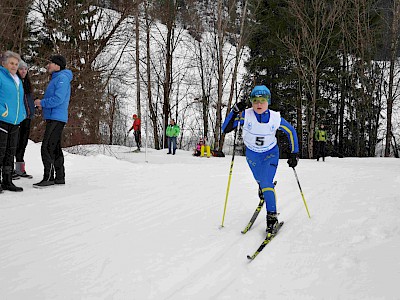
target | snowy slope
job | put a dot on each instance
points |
(129, 229)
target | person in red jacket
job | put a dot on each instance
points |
(136, 131)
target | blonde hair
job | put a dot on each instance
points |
(9, 54)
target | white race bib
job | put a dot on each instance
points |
(260, 137)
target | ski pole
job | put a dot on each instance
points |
(230, 172)
(301, 192)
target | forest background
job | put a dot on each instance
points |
(331, 62)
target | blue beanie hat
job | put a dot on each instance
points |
(261, 91)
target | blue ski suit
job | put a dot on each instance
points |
(263, 164)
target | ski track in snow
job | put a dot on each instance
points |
(123, 228)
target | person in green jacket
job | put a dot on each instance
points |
(320, 138)
(172, 132)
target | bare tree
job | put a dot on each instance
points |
(220, 46)
(152, 110)
(13, 17)
(394, 47)
(241, 40)
(137, 60)
(169, 19)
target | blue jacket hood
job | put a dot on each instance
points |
(67, 73)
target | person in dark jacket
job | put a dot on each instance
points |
(54, 107)
(320, 139)
(12, 113)
(25, 125)
(260, 125)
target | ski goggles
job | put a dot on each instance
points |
(260, 99)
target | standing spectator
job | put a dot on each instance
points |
(54, 104)
(260, 125)
(136, 131)
(172, 132)
(320, 139)
(25, 125)
(12, 113)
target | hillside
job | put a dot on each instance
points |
(123, 228)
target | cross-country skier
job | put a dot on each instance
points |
(262, 153)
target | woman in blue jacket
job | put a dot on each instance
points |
(12, 112)
(262, 153)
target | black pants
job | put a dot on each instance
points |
(138, 138)
(8, 143)
(321, 149)
(24, 130)
(52, 155)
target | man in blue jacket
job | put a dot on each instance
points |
(54, 107)
(259, 125)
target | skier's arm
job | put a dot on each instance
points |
(291, 135)
(231, 121)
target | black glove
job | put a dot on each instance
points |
(240, 106)
(293, 159)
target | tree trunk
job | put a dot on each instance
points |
(343, 90)
(137, 63)
(394, 37)
(218, 131)
(153, 114)
(299, 115)
(113, 104)
(313, 116)
(168, 67)
(205, 100)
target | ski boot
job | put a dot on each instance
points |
(272, 223)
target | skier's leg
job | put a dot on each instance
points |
(263, 167)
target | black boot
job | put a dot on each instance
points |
(59, 181)
(272, 222)
(7, 183)
(47, 180)
(60, 175)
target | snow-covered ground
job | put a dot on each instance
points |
(124, 228)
